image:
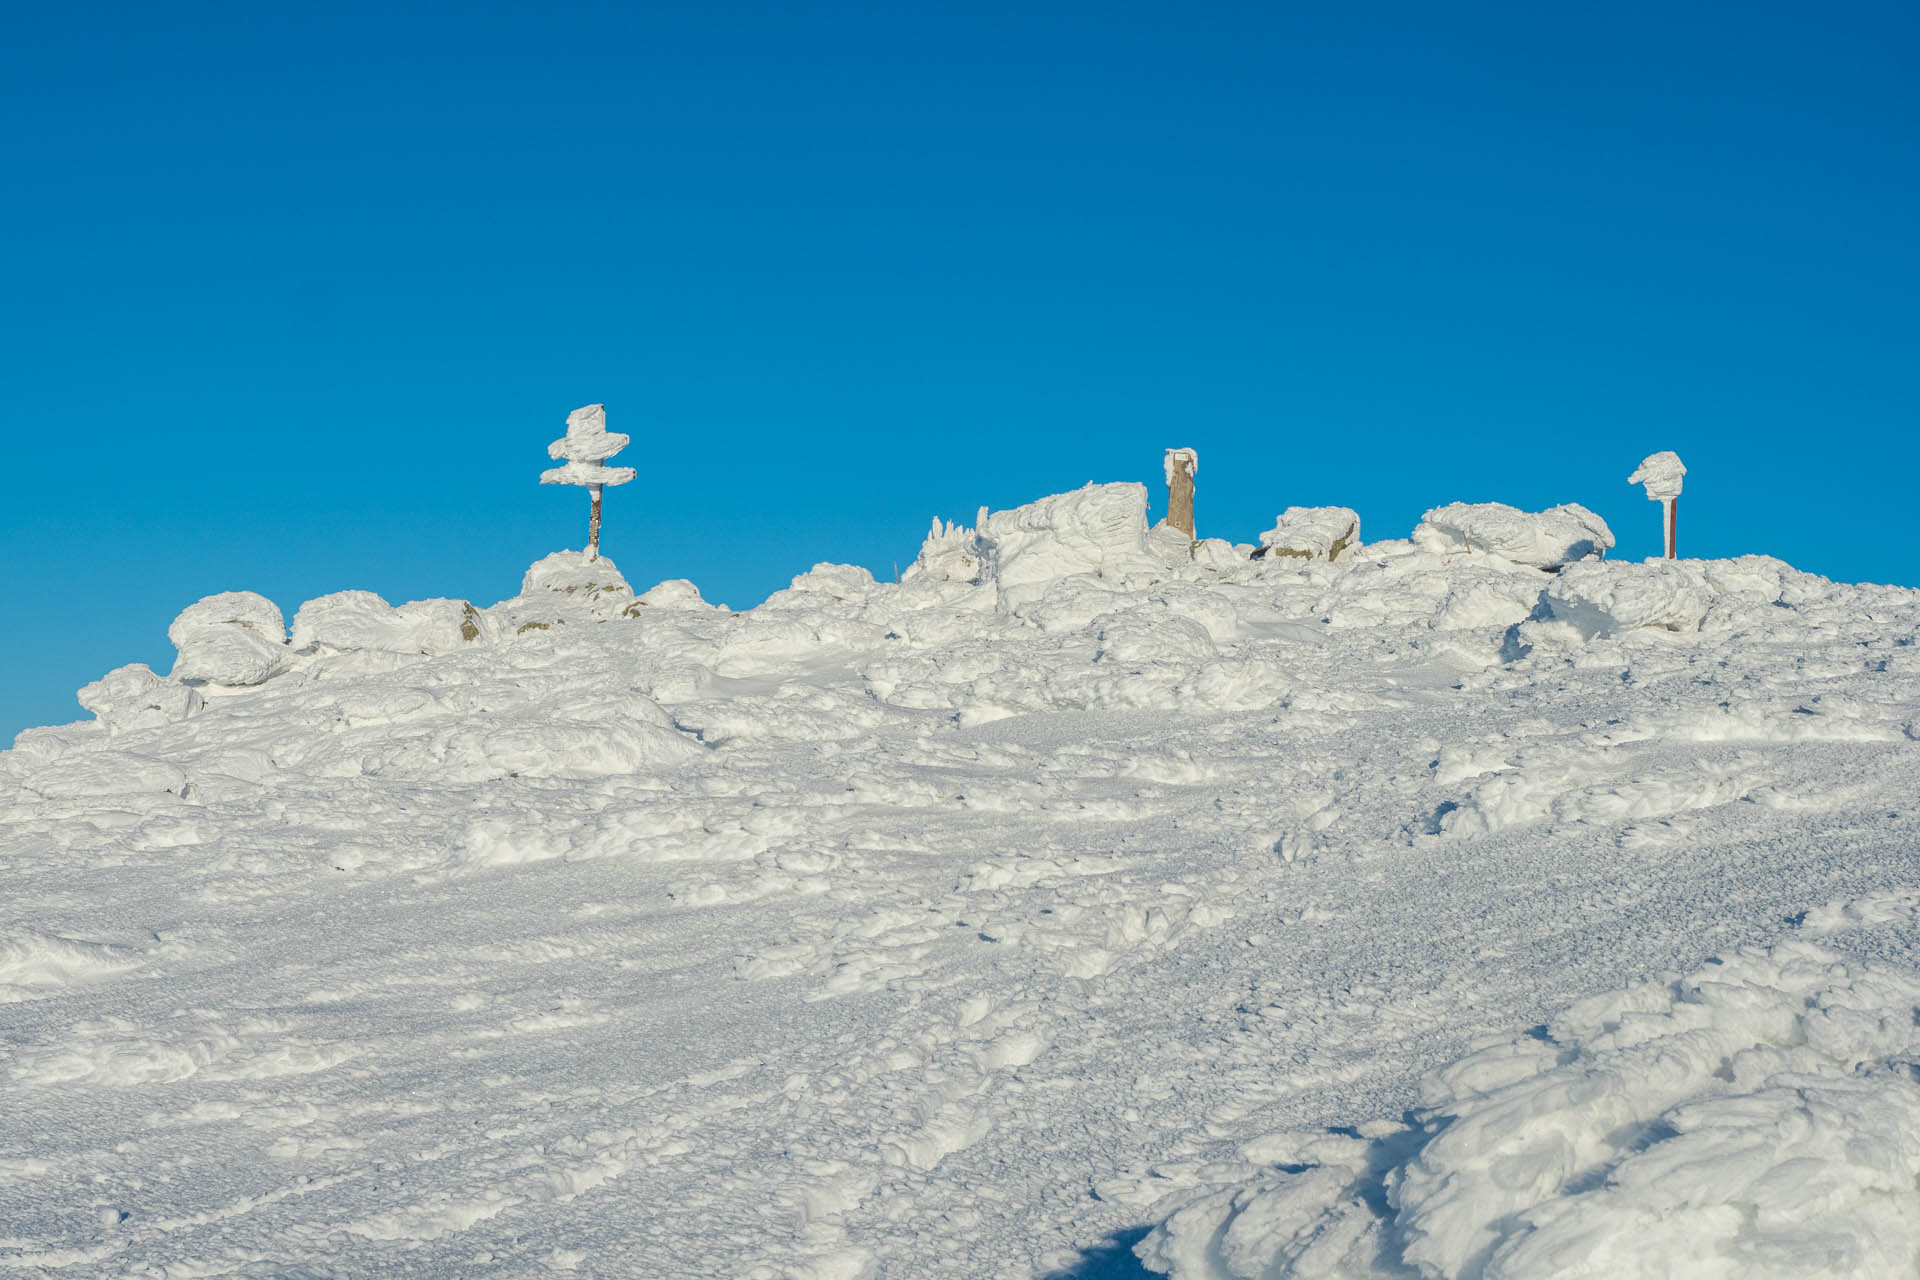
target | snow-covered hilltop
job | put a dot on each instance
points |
(1458, 906)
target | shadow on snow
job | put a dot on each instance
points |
(1111, 1259)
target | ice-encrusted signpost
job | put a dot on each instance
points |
(586, 447)
(1661, 474)
(1181, 466)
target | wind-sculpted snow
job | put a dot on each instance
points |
(1086, 881)
(1759, 1117)
(1544, 539)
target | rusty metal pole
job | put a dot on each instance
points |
(593, 525)
(1673, 522)
(1180, 493)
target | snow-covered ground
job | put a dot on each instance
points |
(1424, 912)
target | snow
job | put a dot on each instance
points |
(1191, 457)
(1757, 1117)
(585, 447)
(133, 697)
(362, 620)
(1313, 533)
(1661, 473)
(1424, 911)
(233, 638)
(1544, 539)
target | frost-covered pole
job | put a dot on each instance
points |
(1181, 467)
(1661, 474)
(585, 447)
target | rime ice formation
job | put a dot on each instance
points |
(1544, 539)
(586, 447)
(362, 620)
(1190, 456)
(1419, 912)
(133, 697)
(1312, 533)
(233, 638)
(1662, 474)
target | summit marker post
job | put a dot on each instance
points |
(586, 446)
(1181, 466)
(1662, 474)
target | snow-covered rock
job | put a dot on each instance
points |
(362, 620)
(1312, 533)
(571, 573)
(674, 593)
(1544, 539)
(1674, 595)
(232, 638)
(1099, 530)
(133, 697)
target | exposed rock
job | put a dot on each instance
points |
(1311, 533)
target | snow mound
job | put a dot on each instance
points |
(133, 697)
(570, 572)
(362, 620)
(1544, 539)
(1758, 1118)
(555, 748)
(91, 775)
(34, 963)
(1099, 530)
(674, 593)
(232, 638)
(1312, 533)
(1670, 595)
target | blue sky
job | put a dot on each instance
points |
(295, 300)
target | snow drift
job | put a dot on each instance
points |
(1759, 1117)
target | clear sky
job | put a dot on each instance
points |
(293, 301)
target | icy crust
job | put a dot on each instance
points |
(1313, 533)
(1544, 539)
(1758, 1118)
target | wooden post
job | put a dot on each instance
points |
(593, 525)
(1673, 520)
(1180, 491)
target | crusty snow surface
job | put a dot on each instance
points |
(1422, 914)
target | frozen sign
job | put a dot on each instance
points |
(1662, 473)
